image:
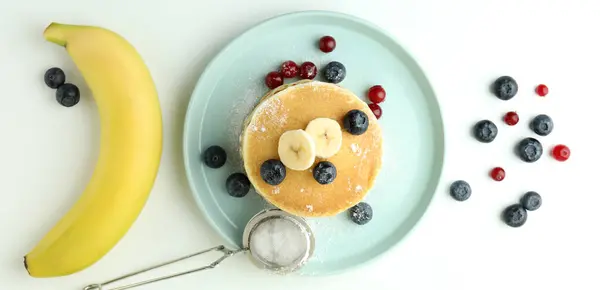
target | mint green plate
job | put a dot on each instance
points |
(411, 123)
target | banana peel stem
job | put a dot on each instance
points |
(55, 34)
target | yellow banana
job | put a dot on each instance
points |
(129, 157)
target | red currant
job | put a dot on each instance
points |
(561, 152)
(498, 174)
(327, 44)
(289, 69)
(511, 118)
(376, 110)
(273, 80)
(308, 70)
(541, 90)
(377, 94)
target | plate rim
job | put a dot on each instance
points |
(348, 17)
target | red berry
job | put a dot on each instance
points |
(541, 90)
(327, 44)
(376, 110)
(377, 94)
(273, 79)
(498, 174)
(561, 152)
(308, 70)
(511, 118)
(289, 69)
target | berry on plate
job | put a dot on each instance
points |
(334, 72)
(308, 70)
(327, 44)
(485, 131)
(361, 213)
(515, 215)
(561, 152)
(460, 190)
(376, 94)
(237, 185)
(274, 79)
(289, 69)
(376, 109)
(215, 157)
(505, 88)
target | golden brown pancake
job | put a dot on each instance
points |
(293, 106)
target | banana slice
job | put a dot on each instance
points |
(296, 150)
(327, 134)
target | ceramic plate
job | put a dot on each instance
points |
(411, 123)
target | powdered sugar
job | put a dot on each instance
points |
(274, 113)
(238, 114)
(279, 242)
(309, 207)
(355, 149)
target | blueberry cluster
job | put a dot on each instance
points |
(516, 215)
(529, 150)
(237, 184)
(66, 94)
(334, 72)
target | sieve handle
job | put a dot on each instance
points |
(226, 254)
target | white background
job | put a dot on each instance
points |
(47, 152)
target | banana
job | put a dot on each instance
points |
(327, 134)
(129, 157)
(296, 150)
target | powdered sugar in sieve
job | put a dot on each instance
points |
(279, 241)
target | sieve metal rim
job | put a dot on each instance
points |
(268, 214)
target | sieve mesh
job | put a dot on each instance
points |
(279, 243)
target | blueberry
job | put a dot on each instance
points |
(215, 157)
(54, 77)
(272, 171)
(505, 88)
(237, 185)
(334, 72)
(324, 172)
(485, 131)
(361, 213)
(460, 190)
(67, 95)
(531, 201)
(530, 149)
(515, 215)
(542, 125)
(356, 122)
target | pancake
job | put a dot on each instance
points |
(293, 106)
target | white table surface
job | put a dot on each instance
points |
(47, 152)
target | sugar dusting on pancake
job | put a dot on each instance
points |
(291, 107)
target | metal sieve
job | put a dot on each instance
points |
(277, 241)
